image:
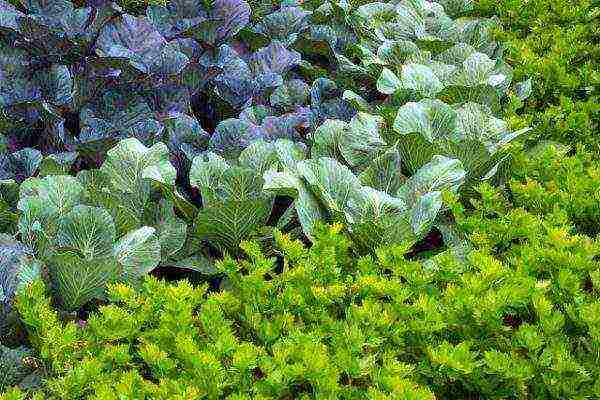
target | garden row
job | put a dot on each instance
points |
(213, 140)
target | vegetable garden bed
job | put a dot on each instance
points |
(230, 199)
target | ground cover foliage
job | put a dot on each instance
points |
(212, 140)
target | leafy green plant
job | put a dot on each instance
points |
(89, 230)
(440, 81)
(547, 179)
(330, 325)
(556, 44)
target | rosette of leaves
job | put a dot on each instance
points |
(102, 225)
(211, 22)
(286, 24)
(413, 50)
(373, 170)
(294, 110)
(467, 132)
(84, 78)
(245, 80)
(379, 206)
(258, 123)
(234, 205)
(477, 78)
(387, 34)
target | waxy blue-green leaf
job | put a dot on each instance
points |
(171, 231)
(355, 143)
(100, 193)
(307, 206)
(16, 83)
(138, 252)
(57, 164)
(56, 84)
(234, 203)
(184, 133)
(59, 193)
(232, 136)
(397, 52)
(225, 19)
(78, 280)
(270, 63)
(425, 212)
(88, 230)
(441, 173)
(291, 94)
(20, 164)
(326, 139)
(327, 102)
(475, 122)
(432, 119)
(284, 25)
(135, 39)
(362, 141)
(380, 220)
(235, 82)
(116, 115)
(420, 79)
(388, 82)
(12, 254)
(357, 101)
(9, 16)
(384, 172)
(259, 156)
(175, 17)
(336, 187)
(131, 166)
(234, 207)
(524, 89)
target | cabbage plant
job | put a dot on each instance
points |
(439, 80)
